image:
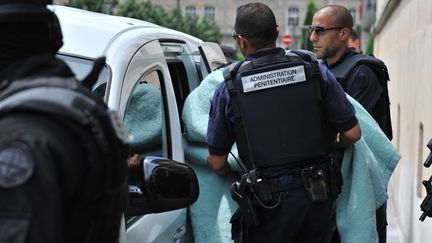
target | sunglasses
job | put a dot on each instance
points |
(322, 30)
(235, 35)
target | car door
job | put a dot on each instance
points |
(149, 111)
(212, 56)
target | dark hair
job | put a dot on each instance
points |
(354, 35)
(257, 23)
(342, 15)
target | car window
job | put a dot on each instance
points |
(144, 116)
(81, 67)
(184, 74)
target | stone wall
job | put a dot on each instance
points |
(404, 43)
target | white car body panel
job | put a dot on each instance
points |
(132, 47)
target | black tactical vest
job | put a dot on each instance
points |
(67, 101)
(277, 105)
(343, 73)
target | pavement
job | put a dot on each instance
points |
(394, 233)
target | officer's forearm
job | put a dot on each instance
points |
(348, 138)
(218, 163)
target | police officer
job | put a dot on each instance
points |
(285, 114)
(354, 41)
(330, 34)
(58, 183)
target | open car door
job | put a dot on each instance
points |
(212, 55)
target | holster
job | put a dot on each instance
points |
(239, 233)
(315, 183)
(335, 177)
(241, 192)
(322, 181)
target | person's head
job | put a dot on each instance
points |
(27, 27)
(330, 31)
(255, 27)
(354, 41)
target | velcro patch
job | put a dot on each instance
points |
(16, 166)
(273, 78)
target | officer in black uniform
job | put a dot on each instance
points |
(62, 159)
(330, 34)
(285, 112)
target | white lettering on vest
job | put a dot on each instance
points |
(273, 78)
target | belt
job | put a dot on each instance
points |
(284, 183)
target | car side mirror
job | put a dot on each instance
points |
(164, 185)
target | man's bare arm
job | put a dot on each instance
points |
(218, 163)
(348, 138)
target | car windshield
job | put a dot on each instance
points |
(82, 67)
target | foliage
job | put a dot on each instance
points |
(146, 11)
(305, 42)
(240, 56)
(91, 5)
(203, 29)
(370, 45)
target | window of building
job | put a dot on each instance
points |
(190, 11)
(293, 16)
(209, 13)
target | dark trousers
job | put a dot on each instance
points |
(295, 220)
(381, 218)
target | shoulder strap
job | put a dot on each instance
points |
(310, 57)
(343, 69)
(230, 75)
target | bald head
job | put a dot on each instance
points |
(331, 27)
(340, 16)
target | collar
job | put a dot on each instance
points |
(265, 52)
(349, 52)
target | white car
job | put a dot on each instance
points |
(149, 71)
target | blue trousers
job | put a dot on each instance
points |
(295, 220)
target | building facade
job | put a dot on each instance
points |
(403, 34)
(290, 14)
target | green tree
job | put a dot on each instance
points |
(203, 29)
(210, 31)
(92, 5)
(144, 11)
(305, 42)
(370, 45)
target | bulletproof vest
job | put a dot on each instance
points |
(345, 76)
(277, 104)
(68, 101)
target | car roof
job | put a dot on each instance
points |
(90, 34)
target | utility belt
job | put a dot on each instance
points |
(322, 182)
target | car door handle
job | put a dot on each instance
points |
(180, 232)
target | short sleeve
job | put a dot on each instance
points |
(219, 135)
